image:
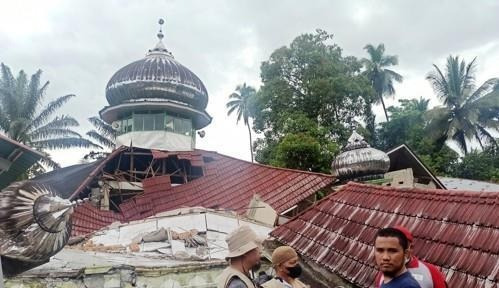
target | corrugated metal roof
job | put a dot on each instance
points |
(228, 183)
(19, 158)
(455, 230)
(469, 185)
(58, 179)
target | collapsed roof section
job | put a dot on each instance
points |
(133, 184)
(178, 234)
(183, 248)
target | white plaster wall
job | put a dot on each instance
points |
(160, 140)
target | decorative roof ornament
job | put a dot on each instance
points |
(359, 160)
(355, 141)
(160, 33)
(160, 48)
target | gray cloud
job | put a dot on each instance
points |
(80, 44)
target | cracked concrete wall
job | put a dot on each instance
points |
(124, 277)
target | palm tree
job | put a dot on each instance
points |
(379, 75)
(104, 134)
(468, 112)
(417, 105)
(240, 101)
(24, 120)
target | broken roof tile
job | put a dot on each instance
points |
(227, 183)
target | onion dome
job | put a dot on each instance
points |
(158, 76)
(157, 82)
(359, 160)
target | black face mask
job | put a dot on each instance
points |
(256, 267)
(295, 271)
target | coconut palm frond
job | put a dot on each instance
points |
(43, 117)
(102, 127)
(104, 141)
(240, 103)
(378, 73)
(64, 143)
(469, 112)
(50, 133)
(35, 94)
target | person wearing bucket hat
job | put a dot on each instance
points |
(285, 261)
(244, 256)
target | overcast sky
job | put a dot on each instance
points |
(80, 44)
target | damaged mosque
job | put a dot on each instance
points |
(155, 211)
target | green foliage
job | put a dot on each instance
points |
(408, 126)
(240, 102)
(312, 92)
(304, 146)
(298, 151)
(312, 97)
(469, 113)
(439, 158)
(479, 165)
(405, 125)
(23, 119)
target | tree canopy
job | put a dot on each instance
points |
(408, 126)
(311, 99)
(468, 112)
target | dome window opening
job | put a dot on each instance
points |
(155, 121)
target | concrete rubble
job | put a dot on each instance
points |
(180, 248)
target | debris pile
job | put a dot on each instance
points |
(187, 245)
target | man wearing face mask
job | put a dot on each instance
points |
(286, 265)
(244, 256)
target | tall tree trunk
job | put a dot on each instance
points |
(251, 142)
(479, 140)
(370, 119)
(383, 103)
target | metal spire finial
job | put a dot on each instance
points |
(160, 47)
(160, 33)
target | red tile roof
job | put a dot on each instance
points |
(455, 230)
(87, 219)
(228, 183)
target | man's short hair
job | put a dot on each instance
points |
(393, 232)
